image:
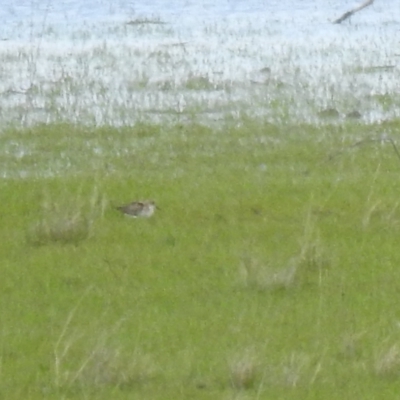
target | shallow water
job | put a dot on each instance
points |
(109, 62)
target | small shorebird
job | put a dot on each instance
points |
(138, 209)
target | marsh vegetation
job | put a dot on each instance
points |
(271, 270)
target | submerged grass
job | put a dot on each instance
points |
(270, 270)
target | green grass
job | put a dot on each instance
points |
(271, 269)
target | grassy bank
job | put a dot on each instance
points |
(271, 269)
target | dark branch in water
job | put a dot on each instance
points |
(353, 11)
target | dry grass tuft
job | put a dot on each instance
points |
(388, 362)
(244, 371)
(108, 367)
(66, 222)
(311, 262)
(99, 365)
(262, 276)
(295, 369)
(63, 228)
(307, 267)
